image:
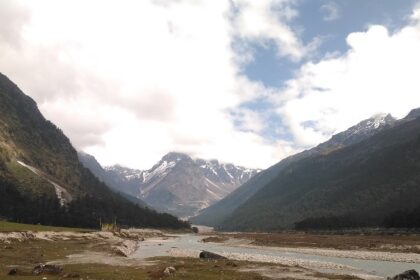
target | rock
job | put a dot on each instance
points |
(46, 269)
(407, 275)
(13, 271)
(71, 275)
(232, 264)
(195, 229)
(169, 271)
(126, 248)
(210, 255)
(120, 251)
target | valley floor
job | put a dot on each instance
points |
(401, 242)
(144, 254)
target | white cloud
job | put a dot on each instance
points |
(379, 73)
(263, 21)
(331, 11)
(129, 81)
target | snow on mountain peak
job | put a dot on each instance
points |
(373, 123)
(183, 185)
(379, 120)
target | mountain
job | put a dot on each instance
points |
(221, 210)
(113, 182)
(181, 185)
(362, 183)
(42, 180)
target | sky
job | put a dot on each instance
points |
(241, 81)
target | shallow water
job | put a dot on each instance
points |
(159, 247)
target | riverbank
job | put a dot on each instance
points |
(145, 254)
(387, 241)
(361, 264)
(104, 255)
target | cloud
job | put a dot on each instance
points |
(129, 82)
(331, 11)
(12, 19)
(378, 73)
(268, 21)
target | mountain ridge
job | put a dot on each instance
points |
(42, 180)
(359, 184)
(180, 184)
(216, 213)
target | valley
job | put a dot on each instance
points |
(145, 254)
(209, 140)
(178, 184)
(341, 210)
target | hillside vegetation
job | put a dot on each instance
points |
(30, 197)
(375, 182)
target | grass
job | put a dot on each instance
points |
(27, 254)
(11, 227)
(29, 182)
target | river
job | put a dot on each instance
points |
(189, 245)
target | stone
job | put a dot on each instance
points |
(46, 269)
(210, 255)
(13, 271)
(407, 275)
(169, 271)
(232, 264)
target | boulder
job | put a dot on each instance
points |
(126, 248)
(232, 264)
(407, 275)
(210, 255)
(13, 271)
(169, 271)
(46, 269)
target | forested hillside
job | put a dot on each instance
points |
(42, 181)
(371, 183)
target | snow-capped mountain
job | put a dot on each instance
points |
(181, 185)
(221, 210)
(358, 132)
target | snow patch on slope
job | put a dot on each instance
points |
(63, 196)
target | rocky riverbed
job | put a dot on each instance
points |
(140, 251)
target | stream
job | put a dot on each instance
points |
(189, 245)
